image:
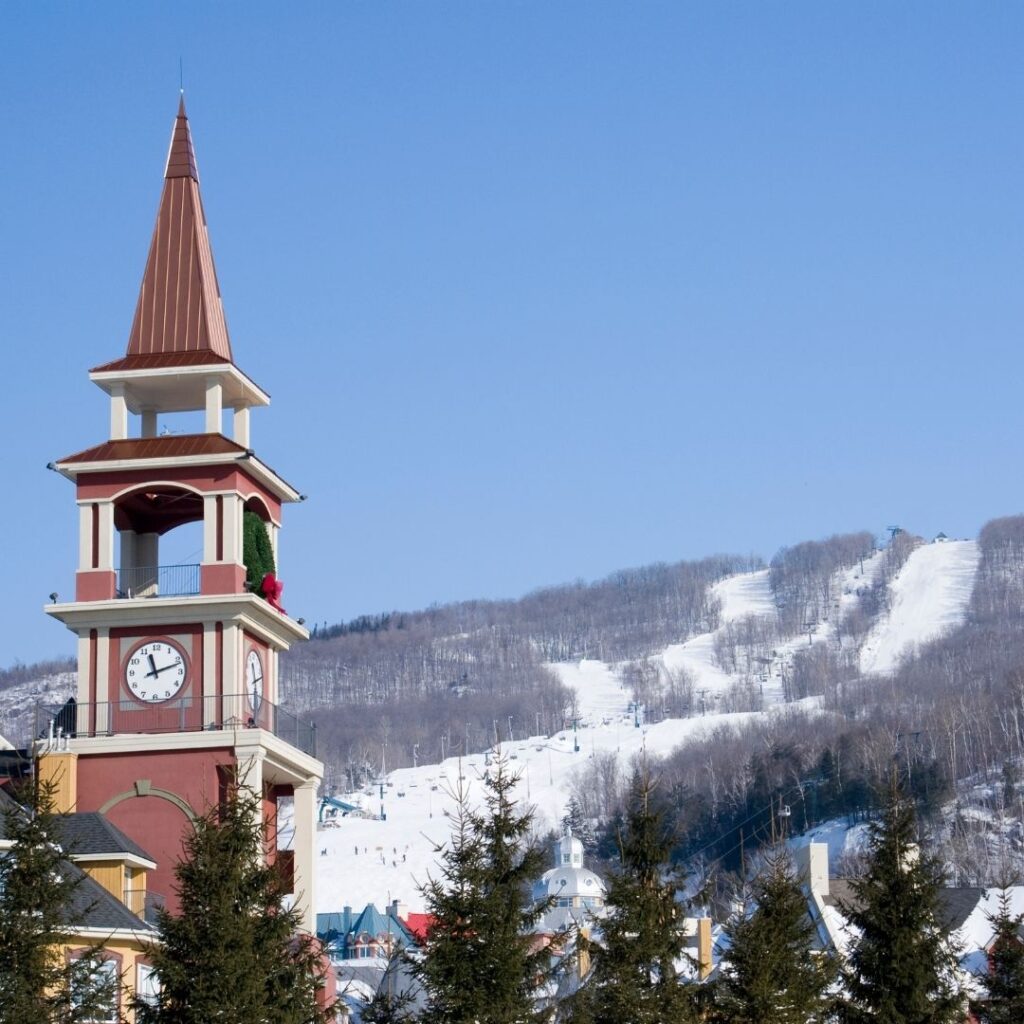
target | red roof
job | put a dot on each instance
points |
(158, 360)
(170, 446)
(179, 309)
(418, 925)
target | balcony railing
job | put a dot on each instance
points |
(158, 581)
(144, 903)
(225, 712)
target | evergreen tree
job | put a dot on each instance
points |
(389, 1008)
(480, 962)
(770, 973)
(1004, 979)
(635, 975)
(574, 821)
(37, 892)
(901, 968)
(257, 551)
(232, 954)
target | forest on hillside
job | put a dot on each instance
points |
(381, 685)
(949, 721)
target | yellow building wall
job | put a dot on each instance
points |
(129, 952)
(109, 874)
(61, 768)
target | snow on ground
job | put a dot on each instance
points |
(364, 860)
(741, 595)
(838, 835)
(930, 595)
(977, 932)
(747, 593)
(18, 703)
(599, 690)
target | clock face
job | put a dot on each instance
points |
(254, 680)
(156, 670)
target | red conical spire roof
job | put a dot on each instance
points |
(179, 315)
(181, 159)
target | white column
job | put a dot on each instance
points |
(232, 643)
(85, 536)
(209, 528)
(118, 413)
(233, 509)
(303, 847)
(214, 405)
(84, 651)
(240, 426)
(106, 535)
(272, 531)
(149, 423)
(209, 688)
(103, 694)
(129, 554)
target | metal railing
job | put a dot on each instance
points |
(158, 580)
(144, 903)
(231, 711)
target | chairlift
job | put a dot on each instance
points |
(784, 811)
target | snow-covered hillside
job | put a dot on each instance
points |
(929, 597)
(366, 860)
(18, 704)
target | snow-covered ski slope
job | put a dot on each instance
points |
(929, 597)
(363, 860)
(370, 860)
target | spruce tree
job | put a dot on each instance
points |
(38, 983)
(575, 822)
(1004, 979)
(232, 953)
(901, 967)
(637, 958)
(389, 1008)
(480, 962)
(770, 973)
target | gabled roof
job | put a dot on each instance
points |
(418, 925)
(372, 922)
(93, 907)
(954, 904)
(179, 309)
(89, 832)
(332, 927)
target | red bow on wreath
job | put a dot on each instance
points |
(272, 588)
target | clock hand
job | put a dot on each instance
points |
(173, 664)
(152, 667)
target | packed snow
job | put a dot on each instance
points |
(929, 597)
(387, 851)
(372, 860)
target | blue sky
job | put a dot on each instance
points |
(540, 290)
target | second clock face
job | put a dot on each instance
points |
(156, 671)
(254, 680)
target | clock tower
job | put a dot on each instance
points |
(178, 681)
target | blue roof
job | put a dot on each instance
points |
(338, 928)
